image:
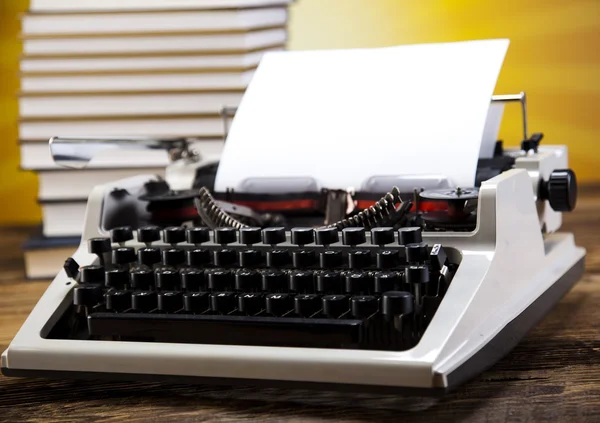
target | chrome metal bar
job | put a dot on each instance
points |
(511, 98)
(226, 114)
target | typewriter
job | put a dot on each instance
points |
(413, 291)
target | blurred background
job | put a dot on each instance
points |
(554, 56)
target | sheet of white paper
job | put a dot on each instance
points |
(339, 117)
(491, 130)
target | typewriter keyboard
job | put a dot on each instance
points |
(316, 288)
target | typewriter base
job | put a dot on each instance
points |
(494, 350)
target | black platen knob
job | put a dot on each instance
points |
(410, 235)
(326, 236)
(99, 246)
(141, 278)
(250, 236)
(148, 234)
(92, 274)
(122, 234)
(123, 255)
(197, 235)
(144, 301)
(303, 236)
(225, 236)
(560, 190)
(148, 256)
(396, 303)
(382, 236)
(353, 236)
(273, 236)
(174, 235)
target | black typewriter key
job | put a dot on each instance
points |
(437, 257)
(382, 236)
(274, 281)
(123, 255)
(148, 256)
(196, 302)
(364, 306)
(223, 302)
(170, 301)
(225, 236)
(357, 283)
(121, 235)
(303, 258)
(99, 246)
(387, 259)
(330, 259)
(251, 303)
(198, 257)
(386, 281)
(225, 257)
(335, 305)
(397, 303)
(306, 305)
(174, 235)
(329, 282)
(220, 280)
(279, 304)
(91, 274)
(301, 281)
(359, 259)
(416, 274)
(411, 235)
(71, 268)
(144, 301)
(273, 236)
(173, 256)
(116, 278)
(148, 234)
(118, 301)
(167, 279)
(141, 278)
(326, 236)
(192, 279)
(278, 258)
(197, 235)
(87, 295)
(249, 236)
(303, 236)
(415, 253)
(353, 236)
(247, 281)
(250, 258)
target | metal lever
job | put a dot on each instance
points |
(510, 98)
(76, 152)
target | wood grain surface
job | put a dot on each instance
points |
(553, 375)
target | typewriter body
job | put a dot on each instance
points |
(419, 292)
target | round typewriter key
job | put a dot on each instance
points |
(250, 236)
(273, 236)
(148, 234)
(223, 302)
(122, 234)
(99, 246)
(192, 279)
(174, 235)
(225, 236)
(334, 305)
(326, 236)
(364, 306)
(141, 278)
(353, 236)
(196, 302)
(173, 257)
(91, 274)
(359, 259)
(251, 303)
(170, 301)
(123, 255)
(197, 257)
(197, 235)
(303, 236)
(247, 281)
(396, 303)
(387, 259)
(417, 274)
(148, 256)
(411, 235)
(357, 283)
(278, 258)
(118, 301)
(274, 281)
(116, 278)
(87, 295)
(301, 281)
(279, 304)
(144, 301)
(415, 253)
(386, 281)
(220, 280)
(306, 305)
(303, 258)
(330, 259)
(329, 282)
(167, 279)
(225, 257)
(382, 236)
(250, 258)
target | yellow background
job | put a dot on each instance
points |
(554, 56)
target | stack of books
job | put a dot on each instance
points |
(155, 68)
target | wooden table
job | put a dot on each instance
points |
(552, 376)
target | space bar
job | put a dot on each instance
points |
(227, 330)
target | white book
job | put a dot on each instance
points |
(133, 81)
(127, 63)
(55, 25)
(129, 104)
(108, 5)
(155, 45)
(168, 127)
(36, 156)
(63, 219)
(76, 185)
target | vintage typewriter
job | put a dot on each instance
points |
(410, 290)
